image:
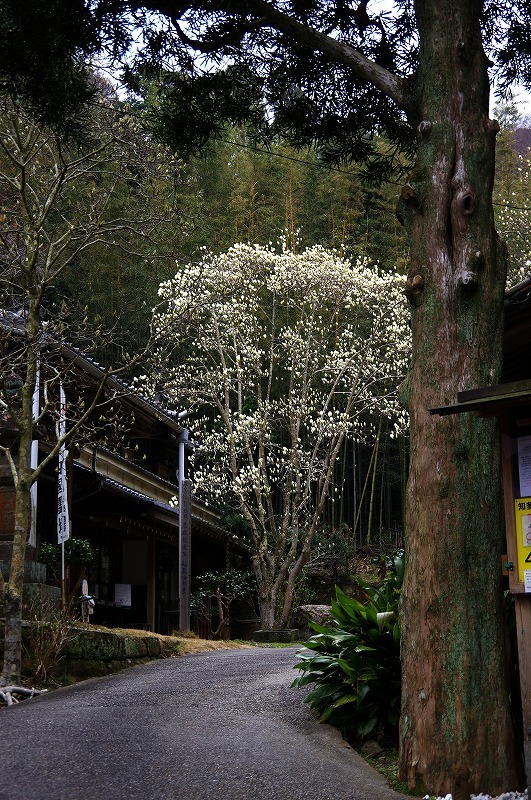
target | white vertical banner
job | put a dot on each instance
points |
(34, 461)
(63, 517)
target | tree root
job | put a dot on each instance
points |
(14, 694)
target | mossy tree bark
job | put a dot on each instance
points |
(455, 703)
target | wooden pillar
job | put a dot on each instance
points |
(521, 598)
(523, 632)
(185, 531)
(151, 566)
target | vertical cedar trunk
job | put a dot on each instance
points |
(455, 708)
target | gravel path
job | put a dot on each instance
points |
(222, 725)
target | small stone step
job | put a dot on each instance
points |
(284, 635)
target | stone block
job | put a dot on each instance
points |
(94, 645)
(246, 628)
(168, 648)
(34, 571)
(41, 599)
(303, 615)
(88, 668)
(133, 647)
(153, 647)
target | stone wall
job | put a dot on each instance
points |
(36, 590)
(93, 653)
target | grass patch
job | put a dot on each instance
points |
(187, 642)
(386, 763)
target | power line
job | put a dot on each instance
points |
(514, 208)
(255, 149)
(263, 151)
(251, 148)
(316, 164)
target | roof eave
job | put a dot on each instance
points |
(491, 400)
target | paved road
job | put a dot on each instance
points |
(222, 725)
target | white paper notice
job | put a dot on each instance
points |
(527, 580)
(122, 594)
(524, 465)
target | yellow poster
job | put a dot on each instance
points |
(523, 536)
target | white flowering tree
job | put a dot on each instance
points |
(513, 219)
(283, 354)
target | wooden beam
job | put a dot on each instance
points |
(501, 390)
(490, 400)
(508, 504)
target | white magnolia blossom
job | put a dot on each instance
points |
(289, 353)
(513, 221)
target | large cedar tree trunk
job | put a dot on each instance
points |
(455, 708)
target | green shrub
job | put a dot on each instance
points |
(355, 662)
(78, 552)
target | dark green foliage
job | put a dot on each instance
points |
(355, 662)
(79, 554)
(233, 522)
(77, 551)
(233, 583)
(187, 114)
(218, 592)
(315, 102)
(49, 555)
(278, 69)
(39, 59)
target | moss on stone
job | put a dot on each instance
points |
(95, 645)
(133, 647)
(153, 646)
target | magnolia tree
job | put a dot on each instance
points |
(514, 220)
(284, 354)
